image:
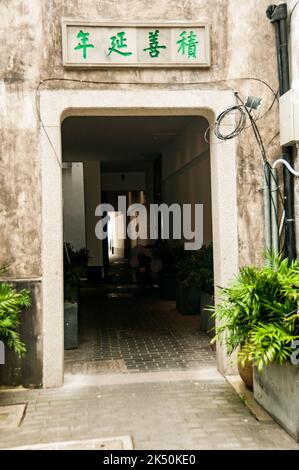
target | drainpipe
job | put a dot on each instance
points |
(274, 211)
(278, 15)
(267, 208)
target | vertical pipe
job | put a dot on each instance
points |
(267, 208)
(284, 52)
(274, 212)
(278, 14)
(289, 206)
(279, 61)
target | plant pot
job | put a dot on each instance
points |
(207, 322)
(276, 389)
(71, 293)
(167, 284)
(70, 325)
(246, 373)
(188, 299)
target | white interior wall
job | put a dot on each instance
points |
(92, 192)
(73, 205)
(186, 172)
(117, 227)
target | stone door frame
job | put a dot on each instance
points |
(55, 106)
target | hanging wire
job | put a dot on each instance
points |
(241, 113)
(240, 123)
(240, 110)
(108, 82)
(265, 160)
(293, 9)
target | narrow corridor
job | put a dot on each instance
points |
(122, 329)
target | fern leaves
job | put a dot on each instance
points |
(259, 312)
(11, 305)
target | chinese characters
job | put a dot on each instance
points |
(188, 44)
(118, 43)
(165, 44)
(84, 37)
(154, 45)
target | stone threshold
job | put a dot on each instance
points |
(205, 374)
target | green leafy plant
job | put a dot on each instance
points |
(170, 254)
(197, 269)
(12, 304)
(75, 267)
(258, 313)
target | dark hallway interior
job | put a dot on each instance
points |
(149, 160)
(125, 330)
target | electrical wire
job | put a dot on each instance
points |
(240, 109)
(108, 82)
(284, 162)
(265, 160)
(245, 113)
(241, 123)
(293, 9)
(44, 129)
(101, 82)
(282, 223)
(67, 253)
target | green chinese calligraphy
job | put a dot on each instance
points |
(188, 44)
(119, 42)
(84, 37)
(154, 45)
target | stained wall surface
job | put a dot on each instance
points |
(243, 59)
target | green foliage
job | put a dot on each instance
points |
(258, 313)
(11, 305)
(75, 267)
(197, 269)
(170, 254)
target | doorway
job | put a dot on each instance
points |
(123, 321)
(163, 103)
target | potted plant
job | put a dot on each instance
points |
(190, 279)
(12, 303)
(75, 267)
(258, 316)
(170, 255)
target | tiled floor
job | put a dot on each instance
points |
(145, 333)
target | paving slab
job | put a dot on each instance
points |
(11, 416)
(114, 443)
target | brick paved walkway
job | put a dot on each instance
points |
(158, 415)
(141, 331)
(141, 370)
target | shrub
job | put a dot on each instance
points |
(12, 303)
(197, 269)
(258, 313)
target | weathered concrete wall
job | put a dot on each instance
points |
(243, 46)
(21, 51)
(294, 41)
(276, 388)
